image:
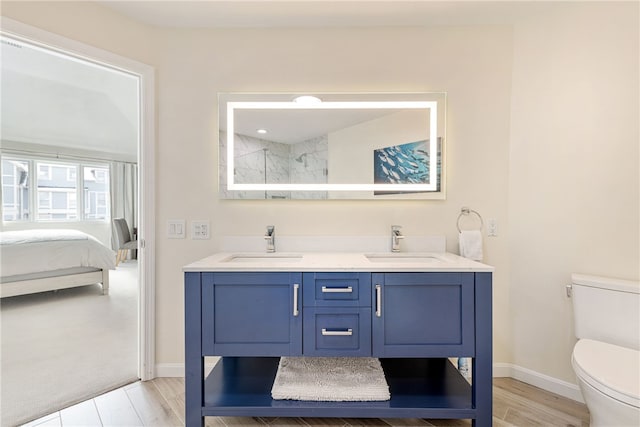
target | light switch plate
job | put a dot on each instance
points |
(176, 229)
(200, 230)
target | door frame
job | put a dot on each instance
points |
(146, 169)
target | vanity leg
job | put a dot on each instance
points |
(482, 370)
(193, 360)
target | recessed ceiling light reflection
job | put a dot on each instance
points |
(261, 131)
(307, 100)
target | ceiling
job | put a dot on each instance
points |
(325, 13)
(55, 100)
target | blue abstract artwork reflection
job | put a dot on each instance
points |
(403, 164)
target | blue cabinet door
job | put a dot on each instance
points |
(423, 314)
(252, 314)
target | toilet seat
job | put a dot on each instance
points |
(611, 369)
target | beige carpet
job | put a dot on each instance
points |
(63, 347)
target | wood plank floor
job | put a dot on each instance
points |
(161, 403)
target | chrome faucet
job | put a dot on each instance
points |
(270, 237)
(396, 236)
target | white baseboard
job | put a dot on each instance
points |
(501, 370)
(545, 382)
(176, 370)
(169, 370)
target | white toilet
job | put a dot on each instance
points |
(606, 358)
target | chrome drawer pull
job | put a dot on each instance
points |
(326, 290)
(295, 299)
(378, 300)
(348, 332)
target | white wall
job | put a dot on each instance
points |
(573, 177)
(542, 135)
(472, 63)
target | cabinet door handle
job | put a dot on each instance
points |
(295, 299)
(378, 300)
(348, 332)
(347, 289)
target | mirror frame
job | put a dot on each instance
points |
(379, 102)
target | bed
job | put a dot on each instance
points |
(44, 260)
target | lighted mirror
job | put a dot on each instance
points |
(332, 146)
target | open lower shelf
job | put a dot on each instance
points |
(421, 388)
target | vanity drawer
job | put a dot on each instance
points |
(337, 289)
(337, 332)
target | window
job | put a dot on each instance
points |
(56, 192)
(15, 190)
(72, 174)
(96, 187)
(44, 172)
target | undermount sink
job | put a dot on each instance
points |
(399, 257)
(263, 258)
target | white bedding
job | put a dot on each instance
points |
(31, 251)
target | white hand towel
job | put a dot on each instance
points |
(471, 244)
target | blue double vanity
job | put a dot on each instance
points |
(411, 310)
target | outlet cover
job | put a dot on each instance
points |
(200, 230)
(492, 227)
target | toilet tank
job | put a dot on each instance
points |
(607, 309)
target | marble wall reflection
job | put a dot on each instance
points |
(308, 165)
(263, 161)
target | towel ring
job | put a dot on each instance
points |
(467, 211)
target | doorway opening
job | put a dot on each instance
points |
(99, 130)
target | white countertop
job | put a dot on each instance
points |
(337, 261)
